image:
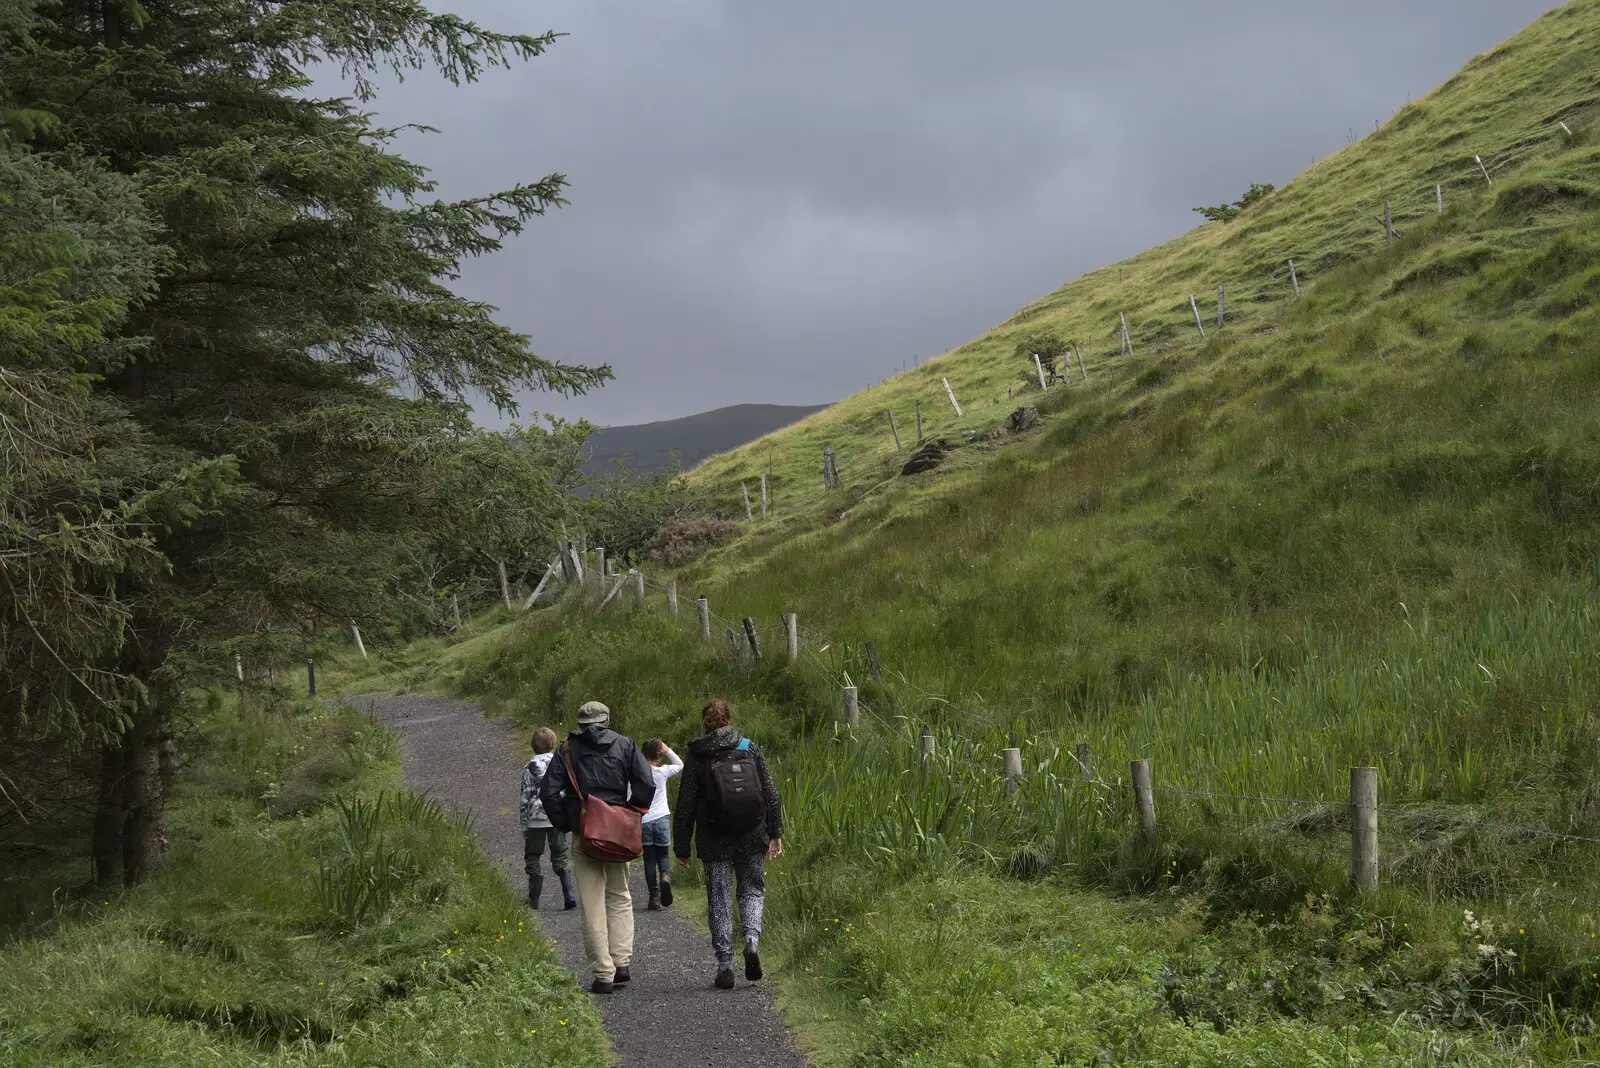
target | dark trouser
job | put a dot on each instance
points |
(657, 836)
(534, 841)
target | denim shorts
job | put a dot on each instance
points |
(658, 832)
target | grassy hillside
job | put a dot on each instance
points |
(1357, 527)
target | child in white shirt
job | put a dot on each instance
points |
(657, 828)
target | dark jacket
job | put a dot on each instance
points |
(691, 820)
(609, 767)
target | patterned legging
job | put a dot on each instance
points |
(750, 872)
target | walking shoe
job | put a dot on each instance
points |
(624, 975)
(724, 979)
(666, 892)
(655, 901)
(603, 986)
(752, 962)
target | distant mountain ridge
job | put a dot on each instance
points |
(649, 446)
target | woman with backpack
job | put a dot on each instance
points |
(728, 800)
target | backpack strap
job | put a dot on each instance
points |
(744, 745)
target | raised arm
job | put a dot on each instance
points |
(673, 766)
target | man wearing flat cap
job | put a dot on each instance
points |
(610, 768)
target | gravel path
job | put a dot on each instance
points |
(670, 1016)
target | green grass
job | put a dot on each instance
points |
(310, 914)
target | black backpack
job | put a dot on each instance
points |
(735, 803)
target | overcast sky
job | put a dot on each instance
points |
(782, 202)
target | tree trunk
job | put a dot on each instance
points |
(144, 836)
(505, 586)
(109, 815)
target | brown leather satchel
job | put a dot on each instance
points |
(606, 832)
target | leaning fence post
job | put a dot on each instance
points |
(952, 394)
(852, 707)
(361, 645)
(1198, 325)
(1127, 339)
(1388, 227)
(927, 741)
(751, 637)
(898, 451)
(1013, 769)
(1038, 365)
(1082, 370)
(763, 496)
(1294, 278)
(672, 597)
(1484, 169)
(1086, 761)
(1144, 798)
(791, 636)
(744, 489)
(702, 608)
(1364, 828)
(311, 677)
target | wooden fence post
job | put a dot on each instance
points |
(1484, 169)
(791, 636)
(744, 489)
(672, 597)
(927, 742)
(311, 677)
(852, 707)
(952, 394)
(1388, 227)
(1082, 370)
(1221, 320)
(600, 565)
(1198, 325)
(702, 608)
(1085, 761)
(1438, 194)
(543, 582)
(763, 496)
(1013, 769)
(1039, 366)
(733, 643)
(1294, 278)
(238, 666)
(1127, 338)
(616, 587)
(1364, 829)
(1144, 798)
(455, 609)
(898, 451)
(872, 660)
(752, 637)
(919, 422)
(361, 645)
(505, 586)
(638, 587)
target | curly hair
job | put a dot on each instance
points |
(715, 714)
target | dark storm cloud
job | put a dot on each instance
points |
(781, 202)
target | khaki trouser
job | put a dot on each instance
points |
(605, 907)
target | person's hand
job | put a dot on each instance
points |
(683, 862)
(775, 849)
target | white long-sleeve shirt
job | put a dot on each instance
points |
(658, 804)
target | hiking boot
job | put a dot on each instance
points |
(666, 892)
(655, 901)
(752, 962)
(603, 986)
(724, 979)
(624, 975)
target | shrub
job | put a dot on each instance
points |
(683, 538)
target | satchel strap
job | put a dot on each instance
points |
(566, 758)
